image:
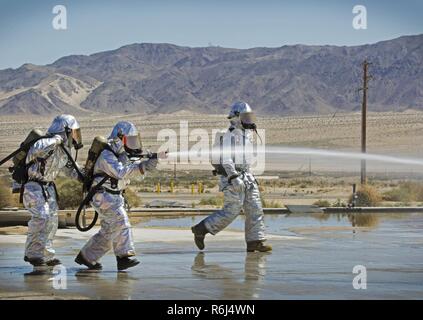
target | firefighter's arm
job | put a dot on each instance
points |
(110, 165)
(44, 148)
(227, 161)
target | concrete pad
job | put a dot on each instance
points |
(312, 259)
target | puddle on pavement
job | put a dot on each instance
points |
(320, 266)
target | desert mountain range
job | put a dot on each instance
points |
(163, 78)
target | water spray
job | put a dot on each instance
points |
(343, 154)
(268, 150)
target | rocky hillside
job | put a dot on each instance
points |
(149, 78)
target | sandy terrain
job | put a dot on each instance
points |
(388, 132)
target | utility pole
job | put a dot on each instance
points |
(366, 79)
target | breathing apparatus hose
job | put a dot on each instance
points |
(80, 175)
(255, 130)
(84, 203)
(87, 199)
(92, 192)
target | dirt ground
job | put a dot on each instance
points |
(15, 230)
(388, 132)
(305, 179)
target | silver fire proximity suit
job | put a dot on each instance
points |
(247, 198)
(46, 159)
(115, 231)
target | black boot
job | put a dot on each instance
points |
(53, 262)
(81, 260)
(199, 231)
(258, 246)
(36, 262)
(125, 263)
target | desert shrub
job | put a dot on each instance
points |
(419, 194)
(294, 182)
(133, 200)
(405, 192)
(339, 203)
(70, 193)
(270, 203)
(322, 203)
(367, 196)
(212, 201)
(5, 195)
(210, 183)
(340, 182)
(397, 195)
(7, 198)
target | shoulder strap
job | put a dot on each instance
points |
(105, 176)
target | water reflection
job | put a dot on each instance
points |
(364, 220)
(227, 279)
(107, 285)
(369, 220)
(39, 284)
(281, 223)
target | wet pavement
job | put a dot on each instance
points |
(313, 258)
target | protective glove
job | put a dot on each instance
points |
(149, 165)
(237, 184)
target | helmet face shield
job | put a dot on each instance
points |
(76, 138)
(133, 142)
(133, 145)
(248, 120)
(130, 137)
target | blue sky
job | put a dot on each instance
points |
(27, 35)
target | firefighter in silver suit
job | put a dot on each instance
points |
(44, 160)
(115, 231)
(239, 186)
